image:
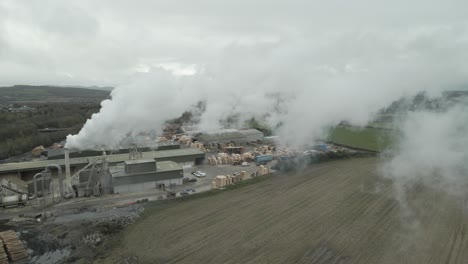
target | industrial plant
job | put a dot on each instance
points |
(68, 173)
(180, 164)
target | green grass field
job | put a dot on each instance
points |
(373, 139)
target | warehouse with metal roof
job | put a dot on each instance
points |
(252, 135)
(26, 170)
(138, 175)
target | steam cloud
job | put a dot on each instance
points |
(306, 65)
(307, 85)
(433, 151)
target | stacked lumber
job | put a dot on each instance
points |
(212, 161)
(222, 181)
(243, 175)
(198, 145)
(263, 170)
(236, 179)
(264, 150)
(3, 255)
(225, 159)
(14, 248)
(185, 140)
(248, 156)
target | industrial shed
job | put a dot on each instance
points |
(138, 175)
(252, 135)
(26, 170)
(222, 136)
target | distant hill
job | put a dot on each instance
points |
(424, 102)
(40, 94)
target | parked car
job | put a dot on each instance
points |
(245, 164)
(192, 180)
(184, 193)
(199, 174)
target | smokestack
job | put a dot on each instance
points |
(67, 165)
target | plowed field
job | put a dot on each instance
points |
(334, 212)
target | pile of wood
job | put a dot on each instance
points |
(264, 150)
(185, 140)
(197, 145)
(263, 170)
(14, 248)
(225, 159)
(248, 156)
(222, 181)
(36, 152)
(56, 146)
(219, 181)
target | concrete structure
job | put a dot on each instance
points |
(138, 175)
(26, 170)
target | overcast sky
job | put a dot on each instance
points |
(90, 42)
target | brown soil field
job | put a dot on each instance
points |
(334, 212)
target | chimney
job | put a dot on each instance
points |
(67, 165)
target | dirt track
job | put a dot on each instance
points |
(335, 212)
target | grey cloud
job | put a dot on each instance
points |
(103, 41)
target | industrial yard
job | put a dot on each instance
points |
(98, 193)
(323, 203)
(333, 212)
(172, 132)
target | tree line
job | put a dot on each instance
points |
(19, 132)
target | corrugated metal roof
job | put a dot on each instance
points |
(162, 166)
(160, 154)
(139, 161)
(248, 132)
(221, 137)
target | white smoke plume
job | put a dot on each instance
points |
(428, 169)
(306, 84)
(433, 151)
